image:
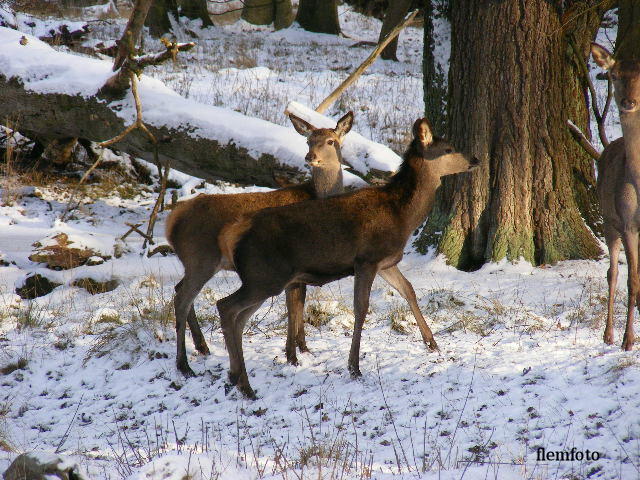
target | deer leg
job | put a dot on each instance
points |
(613, 244)
(364, 275)
(198, 338)
(394, 277)
(630, 242)
(234, 311)
(186, 292)
(295, 295)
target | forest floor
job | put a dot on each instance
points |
(522, 364)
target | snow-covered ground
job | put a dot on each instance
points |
(522, 364)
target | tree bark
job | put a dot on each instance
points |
(395, 13)
(258, 12)
(628, 39)
(264, 12)
(512, 85)
(319, 16)
(196, 10)
(434, 80)
(158, 18)
(283, 16)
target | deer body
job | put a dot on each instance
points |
(316, 242)
(193, 227)
(618, 186)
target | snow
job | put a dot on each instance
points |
(521, 366)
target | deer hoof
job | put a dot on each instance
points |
(433, 346)
(247, 391)
(292, 360)
(627, 344)
(608, 338)
(185, 370)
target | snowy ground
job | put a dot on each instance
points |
(522, 364)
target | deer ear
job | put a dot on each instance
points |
(344, 125)
(423, 132)
(602, 56)
(303, 127)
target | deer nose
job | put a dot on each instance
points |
(628, 104)
(310, 157)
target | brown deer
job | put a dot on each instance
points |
(315, 242)
(193, 227)
(618, 185)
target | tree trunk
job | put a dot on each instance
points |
(434, 80)
(196, 9)
(512, 86)
(628, 40)
(158, 18)
(395, 13)
(319, 16)
(258, 12)
(284, 14)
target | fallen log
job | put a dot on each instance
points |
(50, 95)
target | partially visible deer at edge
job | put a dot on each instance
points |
(194, 225)
(362, 233)
(619, 185)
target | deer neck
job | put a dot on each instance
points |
(327, 182)
(414, 190)
(631, 132)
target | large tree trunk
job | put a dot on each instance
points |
(628, 40)
(512, 86)
(258, 12)
(395, 13)
(196, 10)
(319, 16)
(264, 12)
(158, 17)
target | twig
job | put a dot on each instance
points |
(66, 433)
(384, 398)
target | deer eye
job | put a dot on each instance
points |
(330, 142)
(614, 76)
(449, 150)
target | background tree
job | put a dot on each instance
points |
(434, 80)
(158, 17)
(628, 39)
(195, 10)
(264, 12)
(395, 13)
(512, 86)
(319, 16)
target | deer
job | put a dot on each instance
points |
(194, 223)
(618, 186)
(360, 234)
(193, 226)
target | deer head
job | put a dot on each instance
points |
(442, 158)
(625, 75)
(324, 143)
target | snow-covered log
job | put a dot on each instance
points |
(51, 95)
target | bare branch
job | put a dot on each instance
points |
(582, 140)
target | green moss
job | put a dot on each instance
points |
(513, 245)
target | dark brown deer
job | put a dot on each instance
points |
(619, 185)
(194, 225)
(315, 242)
